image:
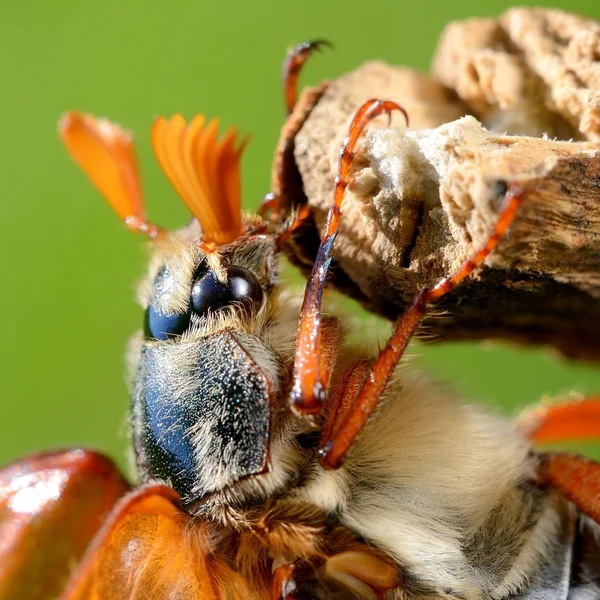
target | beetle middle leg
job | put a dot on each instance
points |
(563, 421)
(335, 449)
(575, 477)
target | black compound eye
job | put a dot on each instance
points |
(241, 288)
(164, 326)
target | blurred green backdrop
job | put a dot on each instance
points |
(69, 267)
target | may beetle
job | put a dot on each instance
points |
(274, 459)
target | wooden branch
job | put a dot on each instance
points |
(423, 200)
(531, 71)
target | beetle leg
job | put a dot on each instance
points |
(286, 187)
(335, 449)
(308, 392)
(297, 221)
(292, 66)
(269, 204)
(51, 506)
(340, 404)
(287, 581)
(575, 477)
(565, 421)
(326, 346)
(363, 573)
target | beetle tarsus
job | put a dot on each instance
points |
(292, 66)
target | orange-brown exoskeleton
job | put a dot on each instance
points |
(274, 459)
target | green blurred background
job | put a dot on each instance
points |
(69, 267)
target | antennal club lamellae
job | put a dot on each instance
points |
(106, 153)
(204, 170)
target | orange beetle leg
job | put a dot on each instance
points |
(51, 506)
(364, 573)
(285, 172)
(309, 390)
(334, 450)
(576, 478)
(313, 369)
(339, 405)
(292, 66)
(567, 421)
(270, 203)
(289, 229)
(287, 581)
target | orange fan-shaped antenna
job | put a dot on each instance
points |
(205, 171)
(106, 153)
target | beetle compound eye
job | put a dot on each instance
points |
(241, 288)
(160, 322)
(164, 326)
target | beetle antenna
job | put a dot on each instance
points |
(106, 153)
(205, 171)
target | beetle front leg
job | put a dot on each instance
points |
(309, 391)
(294, 62)
(297, 114)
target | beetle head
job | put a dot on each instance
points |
(209, 383)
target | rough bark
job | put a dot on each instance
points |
(423, 199)
(531, 71)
